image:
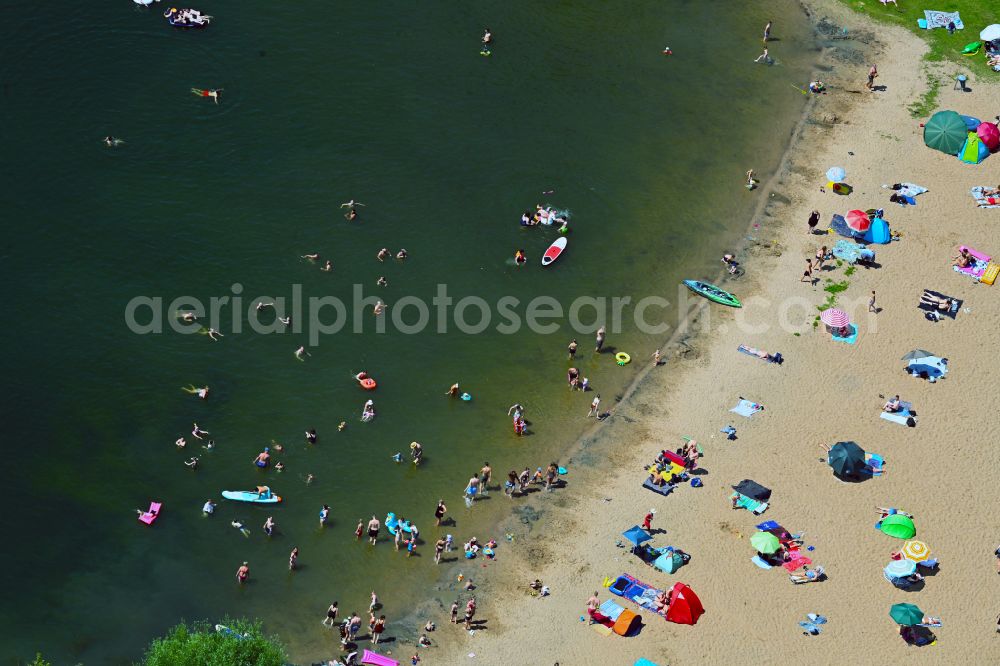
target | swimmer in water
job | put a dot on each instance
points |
(453, 391)
(328, 266)
(309, 479)
(382, 282)
(262, 458)
(212, 333)
(198, 432)
(379, 308)
(262, 305)
(208, 508)
(243, 530)
(301, 352)
(213, 93)
(269, 526)
(287, 321)
(368, 413)
(209, 446)
(382, 254)
(277, 446)
(193, 390)
(187, 316)
(341, 425)
(192, 463)
(279, 466)
(311, 257)
(112, 142)
(401, 254)
(181, 442)
(311, 436)
(520, 258)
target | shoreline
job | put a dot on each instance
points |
(567, 639)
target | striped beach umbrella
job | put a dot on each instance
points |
(916, 551)
(901, 568)
(858, 220)
(834, 318)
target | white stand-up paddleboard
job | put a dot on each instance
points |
(554, 251)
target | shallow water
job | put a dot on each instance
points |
(392, 106)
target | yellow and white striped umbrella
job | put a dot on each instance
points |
(917, 551)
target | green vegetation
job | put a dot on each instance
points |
(976, 15)
(200, 645)
(835, 288)
(39, 661)
(849, 271)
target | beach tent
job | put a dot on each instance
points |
(669, 562)
(990, 135)
(753, 490)
(945, 131)
(685, 606)
(627, 623)
(846, 459)
(878, 232)
(898, 526)
(974, 151)
(636, 535)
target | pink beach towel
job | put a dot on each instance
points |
(975, 270)
(796, 562)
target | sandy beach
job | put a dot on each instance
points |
(942, 471)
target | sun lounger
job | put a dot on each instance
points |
(664, 490)
(747, 408)
(984, 201)
(928, 306)
(753, 506)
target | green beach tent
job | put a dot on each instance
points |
(899, 526)
(945, 131)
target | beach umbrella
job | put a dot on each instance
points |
(836, 174)
(906, 615)
(765, 542)
(636, 535)
(858, 220)
(899, 526)
(945, 131)
(901, 568)
(989, 135)
(916, 354)
(846, 459)
(916, 551)
(990, 33)
(834, 317)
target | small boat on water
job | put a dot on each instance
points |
(713, 293)
(186, 18)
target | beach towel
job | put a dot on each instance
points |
(659, 490)
(850, 339)
(756, 559)
(942, 19)
(952, 312)
(852, 253)
(982, 200)
(797, 562)
(753, 506)
(978, 267)
(756, 353)
(906, 189)
(747, 408)
(874, 464)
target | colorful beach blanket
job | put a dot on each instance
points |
(984, 201)
(942, 19)
(747, 408)
(850, 252)
(977, 269)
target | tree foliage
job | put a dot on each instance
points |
(201, 645)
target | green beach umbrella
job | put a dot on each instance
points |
(945, 131)
(765, 542)
(899, 526)
(906, 615)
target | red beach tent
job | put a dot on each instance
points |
(685, 606)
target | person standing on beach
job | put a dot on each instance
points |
(751, 181)
(485, 476)
(647, 521)
(872, 73)
(813, 221)
(807, 273)
(438, 549)
(593, 603)
(657, 357)
(594, 405)
(767, 31)
(324, 514)
(331, 615)
(454, 611)
(871, 303)
(572, 348)
(354, 626)
(470, 612)
(439, 512)
(378, 629)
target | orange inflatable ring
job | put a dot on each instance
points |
(368, 384)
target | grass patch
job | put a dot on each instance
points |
(835, 288)
(976, 15)
(849, 271)
(830, 302)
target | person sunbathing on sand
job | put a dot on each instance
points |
(963, 259)
(942, 304)
(892, 406)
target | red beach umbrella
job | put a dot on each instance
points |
(834, 318)
(858, 220)
(989, 135)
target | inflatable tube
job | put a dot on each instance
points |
(466, 397)
(622, 358)
(368, 384)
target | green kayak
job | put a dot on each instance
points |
(713, 293)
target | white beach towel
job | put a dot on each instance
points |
(942, 19)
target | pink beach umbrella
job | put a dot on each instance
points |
(834, 318)
(989, 135)
(858, 220)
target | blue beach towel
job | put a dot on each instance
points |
(851, 339)
(942, 19)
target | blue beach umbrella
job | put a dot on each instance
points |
(836, 174)
(636, 535)
(901, 568)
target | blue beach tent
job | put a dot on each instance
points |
(973, 150)
(878, 232)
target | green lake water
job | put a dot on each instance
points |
(390, 104)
